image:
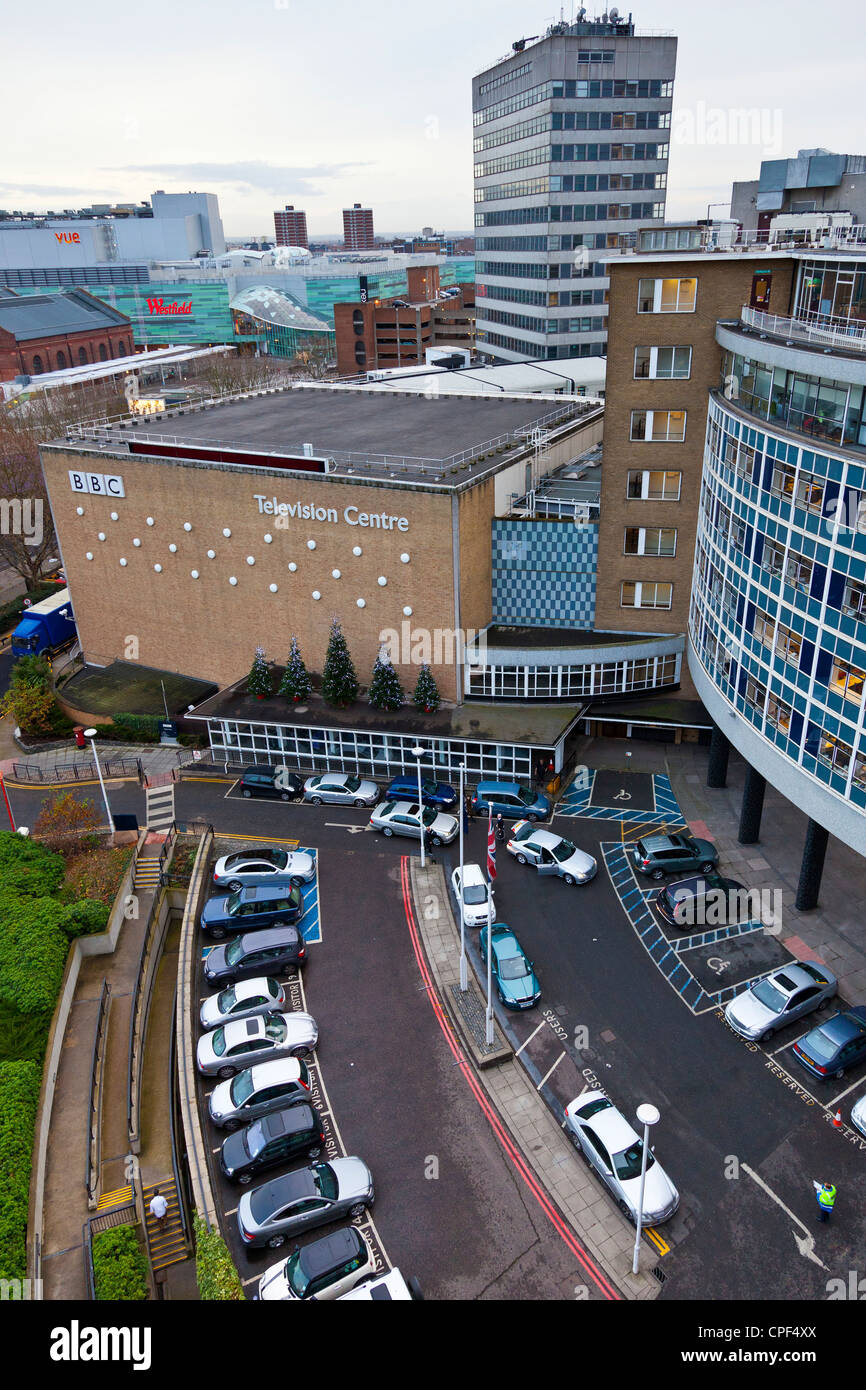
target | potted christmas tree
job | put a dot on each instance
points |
(386, 692)
(426, 697)
(259, 682)
(296, 684)
(339, 681)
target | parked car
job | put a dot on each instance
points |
(658, 855)
(341, 789)
(270, 781)
(436, 794)
(229, 1049)
(473, 895)
(248, 868)
(610, 1145)
(550, 854)
(407, 818)
(711, 901)
(278, 1137)
(295, 1202)
(858, 1115)
(246, 999)
(512, 972)
(511, 799)
(322, 1270)
(225, 913)
(259, 1090)
(780, 998)
(388, 1288)
(273, 948)
(835, 1045)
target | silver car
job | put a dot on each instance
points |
(258, 1091)
(341, 789)
(858, 1115)
(407, 818)
(610, 1145)
(788, 994)
(550, 854)
(229, 1049)
(260, 995)
(250, 867)
(308, 1197)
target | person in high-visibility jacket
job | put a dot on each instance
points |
(826, 1195)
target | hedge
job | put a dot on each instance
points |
(120, 1270)
(216, 1275)
(33, 950)
(84, 918)
(29, 868)
(140, 727)
(19, 1099)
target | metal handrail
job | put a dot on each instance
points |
(823, 334)
(180, 1188)
(94, 1113)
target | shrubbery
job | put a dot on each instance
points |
(119, 1266)
(19, 1098)
(29, 868)
(33, 949)
(67, 825)
(30, 699)
(84, 918)
(215, 1273)
(138, 728)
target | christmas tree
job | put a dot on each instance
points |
(259, 682)
(426, 695)
(339, 681)
(296, 684)
(386, 692)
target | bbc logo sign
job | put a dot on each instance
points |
(97, 484)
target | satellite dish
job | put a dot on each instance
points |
(613, 15)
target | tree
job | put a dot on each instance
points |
(386, 692)
(426, 695)
(67, 825)
(339, 681)
(30, 707)
(259, 682)
(296, 684)
(316, 361)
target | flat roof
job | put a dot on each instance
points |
(520, 638)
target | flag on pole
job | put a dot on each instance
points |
(491, 849)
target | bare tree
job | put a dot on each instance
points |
(225, 374)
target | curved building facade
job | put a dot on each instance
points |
(777, 626)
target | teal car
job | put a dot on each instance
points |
(512, 972)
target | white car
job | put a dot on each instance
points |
(250, 867)
(406, 817)
(260, 995)
(780, 998)
(340, 789)
(858, 1115)
(388, 1288)
(474, 896)
(610, 1145)
(235, 1046)
(550, 854)
(325, 1269)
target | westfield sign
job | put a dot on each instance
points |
(158, 306)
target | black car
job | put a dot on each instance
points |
(271, 781)
(266, 952)
(275, 1138)
(711, 901)
(264, 905)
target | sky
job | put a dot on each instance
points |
(270, 102)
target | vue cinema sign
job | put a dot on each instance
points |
(158, 306)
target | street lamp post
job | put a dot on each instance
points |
(461, 812)
(91, 734)
(648, 1115)
(418, 752)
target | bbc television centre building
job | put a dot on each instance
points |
(244, 522)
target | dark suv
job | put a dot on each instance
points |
(267, 952)
(657, 855)
(262, 906)
(711, 901)
(275, 1138)
(262, 781)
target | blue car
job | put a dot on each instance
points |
(511, 799)
(270, 905)
(433, 793)
(835, 1045)
(512, 972)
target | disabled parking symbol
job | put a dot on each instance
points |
(717, 965)
(622, 795)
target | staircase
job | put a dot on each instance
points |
(166, 1242)
(147, 869)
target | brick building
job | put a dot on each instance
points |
(67, 328)
(376, 334)
(290, 227)
(358, 228)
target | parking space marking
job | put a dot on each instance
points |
(549, 1073)
(529, 1039)
(658, 1241)
(843, 1094)
(709, 938)
(256, 839)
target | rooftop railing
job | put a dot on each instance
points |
(815, 329)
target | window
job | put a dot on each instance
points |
(756, 694)
(663, 363)
(836, 754)
(641, 594)
(654, 426)
(103, 352)
(666, 296)
(798, 572)
(778, 714)
(650, 540)
(82, 356)
(847, 681)
(854, 602)
(782, 484)
(654, 486)
(37, 365)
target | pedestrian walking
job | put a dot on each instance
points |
(825, 1193)
(428, 844)
(158, 1208)
(470, 806)
(466, 817)
(499, 826)
(539, 772)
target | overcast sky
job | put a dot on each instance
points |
(268, 102)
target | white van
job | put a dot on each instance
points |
(385, 1289)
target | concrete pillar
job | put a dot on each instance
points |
(753, 805)
(717, 768)
(811, 867)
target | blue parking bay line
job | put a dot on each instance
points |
(310, 925)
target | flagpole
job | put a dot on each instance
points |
(491, 846)
(464, 974)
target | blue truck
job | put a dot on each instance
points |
(46, 627)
